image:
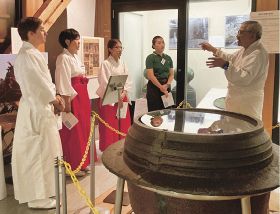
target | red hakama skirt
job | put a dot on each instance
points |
(108, 113)
(74, 141)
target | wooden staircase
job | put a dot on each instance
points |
(50, 10)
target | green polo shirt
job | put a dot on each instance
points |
(160, 65)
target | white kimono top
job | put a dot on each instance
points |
(36, 139)
(109, 68)
(246, 75)
(67, 66)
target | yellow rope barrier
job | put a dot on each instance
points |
(107, 124)
(73, 172)
(87, 147)
(78, 186)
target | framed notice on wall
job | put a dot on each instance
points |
(92, 54)
(232, 26)
(198, 32)
(270, 26)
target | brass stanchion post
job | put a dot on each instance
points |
(92, 169)
(57, 188)
(64, 192)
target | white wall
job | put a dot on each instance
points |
(81, 16)
(157, 23)
(132, 54)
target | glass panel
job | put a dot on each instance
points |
(196, 122)
(216, 22)
(137, 30)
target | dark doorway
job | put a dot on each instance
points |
(119, 6)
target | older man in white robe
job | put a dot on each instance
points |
(246, 70)
(36, 140)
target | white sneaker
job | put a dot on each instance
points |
(48, 203)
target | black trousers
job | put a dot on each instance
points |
(154, 96)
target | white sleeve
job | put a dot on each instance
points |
(226, 56)
(63, 77)
(103, 77)
(243, 72)
(34, 78)
(128, 83)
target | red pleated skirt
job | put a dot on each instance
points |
(74, 141)
(108, 113)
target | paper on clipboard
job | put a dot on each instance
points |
(167, 101)
(123, 110)
(69, 120)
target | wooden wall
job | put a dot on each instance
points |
(266, 5)
(103, 19)
(29, 7)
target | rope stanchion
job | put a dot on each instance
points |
(78, 169)
(78, 186)
(66, 167)
(57, 186)
(64, 192)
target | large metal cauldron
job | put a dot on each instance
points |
(173, 160)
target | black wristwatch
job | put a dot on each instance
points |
(225, 66)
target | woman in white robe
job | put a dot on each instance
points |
(113, 65)
(36, 140)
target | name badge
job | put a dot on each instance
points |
(163, 61)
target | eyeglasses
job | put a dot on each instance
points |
(240, 32)
(118, 47)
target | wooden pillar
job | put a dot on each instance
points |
(264, 5)
(103, 19)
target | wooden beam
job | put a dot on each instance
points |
(50, 11)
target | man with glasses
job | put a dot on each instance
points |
(246, 70)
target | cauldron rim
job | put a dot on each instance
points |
(258, 123)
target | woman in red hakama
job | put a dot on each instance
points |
(71, 84)
(113, 65)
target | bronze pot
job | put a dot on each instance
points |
(197, 152)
